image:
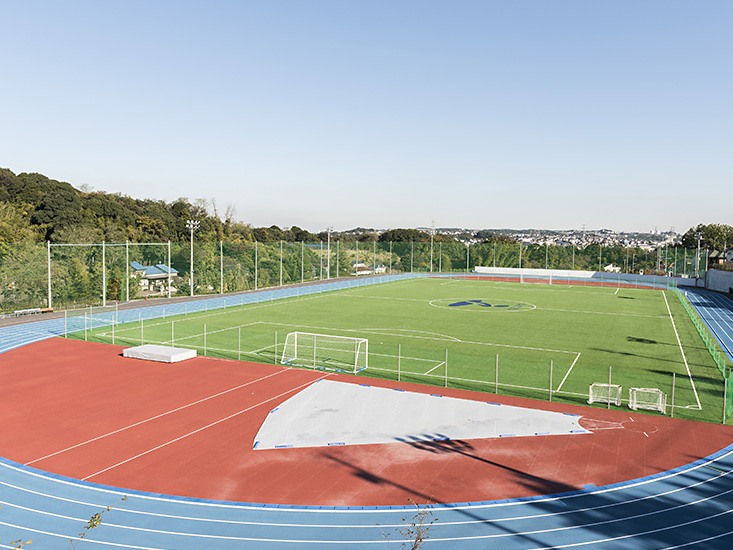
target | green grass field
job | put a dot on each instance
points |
(549, 341)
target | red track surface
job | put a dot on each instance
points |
(59, 395)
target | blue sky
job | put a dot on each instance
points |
(375, 113)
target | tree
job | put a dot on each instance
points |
(714, 236)
(404, 235)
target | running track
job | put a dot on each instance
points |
(717, 311)
(691, 506)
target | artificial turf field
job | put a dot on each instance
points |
(544, 341)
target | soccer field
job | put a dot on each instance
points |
(530, 340)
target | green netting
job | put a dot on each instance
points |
(729, 396)
(93, 274)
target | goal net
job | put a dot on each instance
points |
(322, 351)
(650, 399)
(604, 393)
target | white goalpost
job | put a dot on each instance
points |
(323, 351)
(650, 399)
(604, 393)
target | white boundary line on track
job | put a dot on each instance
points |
(203, 428)
(682, 351)
(153, 418)
(358, 510)
(446, 539)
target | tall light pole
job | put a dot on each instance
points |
(328, 253)
(698, 236)
(192, 225)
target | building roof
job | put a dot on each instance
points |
(153, 271)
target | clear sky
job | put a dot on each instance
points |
(382, 113)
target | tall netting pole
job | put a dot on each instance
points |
(104, 277)
(608, 406)
(48, 243)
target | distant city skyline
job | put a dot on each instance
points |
(474, 114)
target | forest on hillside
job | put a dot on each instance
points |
(40, 218)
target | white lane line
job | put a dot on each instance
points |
(203, 428)
(154, 417)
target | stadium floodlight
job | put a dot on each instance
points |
(192, 225)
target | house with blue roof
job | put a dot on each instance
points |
(153, 278)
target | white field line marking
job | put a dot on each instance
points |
(155, 417)
(435, 367)
(682, 351)
(403, 357)
(402, 330)
(568, 373)
(203, 428)
(601, 313)
(616, 292)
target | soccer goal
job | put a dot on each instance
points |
(322, 351)
(650, 399)
(604, 393)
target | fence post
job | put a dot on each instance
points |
(275, 351)
(446, 367)
(239, 344)
(204, 339)
(399, 359)
(725, 395)
(550, 380)
(608, 406)
(671, 409)
(496, 376)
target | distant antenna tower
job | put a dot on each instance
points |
(671, 228)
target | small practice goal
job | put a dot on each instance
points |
(650, 399)
(323, 351)
(604, 393)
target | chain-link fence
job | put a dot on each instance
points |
(68, 276)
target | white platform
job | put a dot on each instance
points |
(164, 354)
(336, 413)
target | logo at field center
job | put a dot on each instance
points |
(482, 305)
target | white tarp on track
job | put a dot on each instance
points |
(164, 354)
(338, 413)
